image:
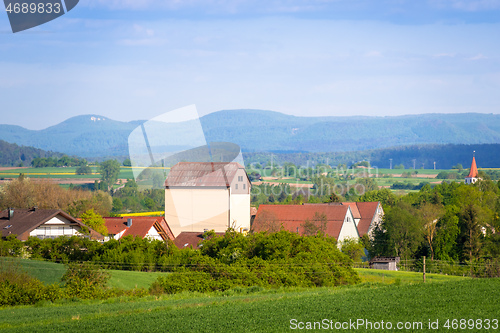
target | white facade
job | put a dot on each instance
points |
(56, 227)
(471, 180)
(207, 196)
(153, 234)
(349, 229)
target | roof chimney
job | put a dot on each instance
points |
(11, 213)
(129, 223)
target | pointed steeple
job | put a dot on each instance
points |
(473, 169)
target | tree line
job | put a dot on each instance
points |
(450, 221)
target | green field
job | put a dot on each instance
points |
(49, 273)
(382, 296)
(66, 172)
(270, 311)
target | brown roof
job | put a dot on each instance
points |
(354, 209)
(202, 174)
(292, 217)
(26, 220)
(188, 239)
(473, 173)
(368, 211)
(140, 226)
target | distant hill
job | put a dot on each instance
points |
(446, 156)
(258, 130)
(13, 155)
(82, 135)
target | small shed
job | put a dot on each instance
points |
(387, 263)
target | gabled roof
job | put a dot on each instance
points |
(26, 220)
(140, 226)
(368, 211)
(188, 239)
(354, 209)
(292, 217)
(196, 174)
(473, 173)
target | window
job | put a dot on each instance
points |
(236, 186)
(240, 178)
(244, 186)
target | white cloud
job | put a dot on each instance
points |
(478, 57)
(467, 5)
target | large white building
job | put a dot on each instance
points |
(207, 195)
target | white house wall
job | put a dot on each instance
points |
(56, 227)
(197, 209)
(240, 211)
(349, 229)
(153, 234)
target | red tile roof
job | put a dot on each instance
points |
(473, 173)
(368, 211)
(292, 217)
(140, 226)
(354, 209)
(220, 174)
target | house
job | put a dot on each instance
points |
(473, 175)
(152, 227)
(207, 195)
(42, 223)
(386, 263)
(187, 239)
(334, 220)
(367, 215)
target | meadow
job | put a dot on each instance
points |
(257, 310)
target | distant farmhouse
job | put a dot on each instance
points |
(207, 196)
(473, 175)
(338, 220)
(151, 227)
(42, 223)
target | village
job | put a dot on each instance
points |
(207, 196)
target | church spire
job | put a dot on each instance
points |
(473, 168)
(472, 177)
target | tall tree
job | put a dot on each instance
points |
(109, 171)
(430, 215)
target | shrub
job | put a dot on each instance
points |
(19, 288)
(85, 280)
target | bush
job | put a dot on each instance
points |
(19, 288)
(85, 280)
(275, 260)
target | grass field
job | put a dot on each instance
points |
(69, 172)
(270, 311)
(49, 273)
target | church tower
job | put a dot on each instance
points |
(473, 174)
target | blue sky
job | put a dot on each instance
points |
(136, 59)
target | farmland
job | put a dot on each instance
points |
(65, 176)
(257, 310)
